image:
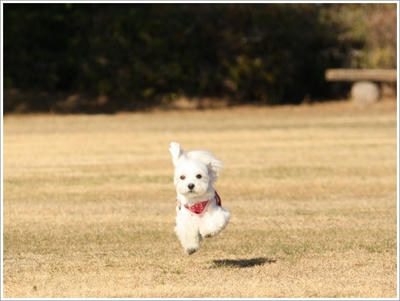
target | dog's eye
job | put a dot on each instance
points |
(182, 177)
(198, 176)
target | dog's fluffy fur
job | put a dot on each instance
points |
(194, 176)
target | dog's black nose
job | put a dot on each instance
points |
(191, 186)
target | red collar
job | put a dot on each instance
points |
(200, 206)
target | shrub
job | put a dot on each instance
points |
(135, 56)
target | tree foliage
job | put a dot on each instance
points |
(134, 56)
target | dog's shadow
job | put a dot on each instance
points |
(242, 263)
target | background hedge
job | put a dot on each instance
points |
(110, 57)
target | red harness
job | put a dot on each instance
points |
(200, 206)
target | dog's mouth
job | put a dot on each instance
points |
(191, 192)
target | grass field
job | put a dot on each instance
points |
(89, 204)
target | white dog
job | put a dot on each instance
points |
(199, 210)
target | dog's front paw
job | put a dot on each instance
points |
(190, 251)
(208, 230)
(209, 233)
(215, 223)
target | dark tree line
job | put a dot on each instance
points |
(135, 56)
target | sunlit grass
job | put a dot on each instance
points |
(89, 204)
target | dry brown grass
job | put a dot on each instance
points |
(89, 204)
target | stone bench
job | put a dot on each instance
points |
(367, 86)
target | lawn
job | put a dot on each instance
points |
(89, 204)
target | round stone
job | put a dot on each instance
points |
(365, 92)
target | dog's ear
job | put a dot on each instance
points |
(176, 151)
(215, 166)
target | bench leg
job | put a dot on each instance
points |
(365, 92)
